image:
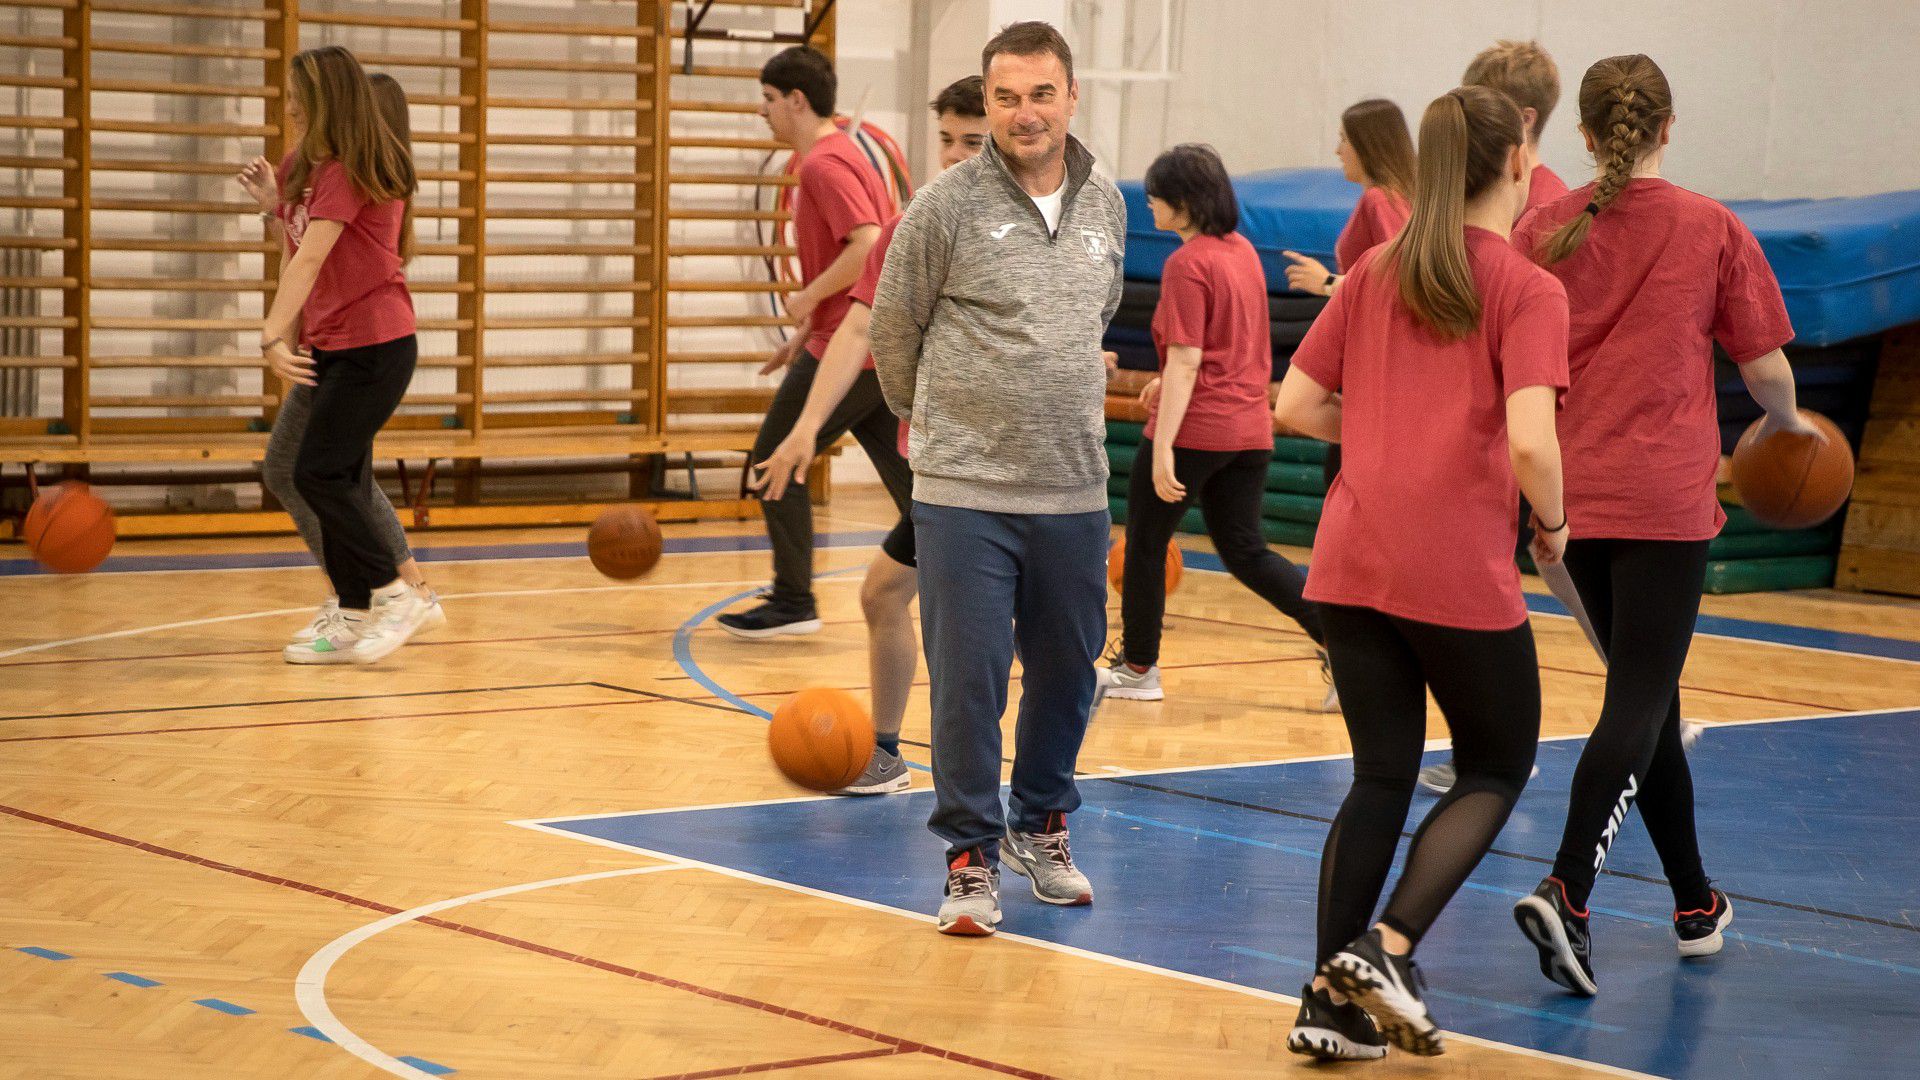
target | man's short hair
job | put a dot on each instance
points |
(1028, 39)
(1523, 71)
(963, 97)
(804, 69)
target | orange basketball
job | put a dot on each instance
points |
(69, 529)
(1793, 481)
(1117, 565)
(624, 542)
(821, 739)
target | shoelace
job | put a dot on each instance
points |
(1054, 846)
(1114, 654)
(969, 881)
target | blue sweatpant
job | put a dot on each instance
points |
(987, 579)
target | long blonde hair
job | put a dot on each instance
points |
(344, 125)
(1466, 138)
(1624, 101)
(391, 99)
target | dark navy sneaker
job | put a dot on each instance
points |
(771, 619)
(1699, 931)
(1388, 988)
(1559, 931)
(1328, 1032)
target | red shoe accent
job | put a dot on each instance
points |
(968, 857)
(1056, 822)
(964, 926)
(1678, 915)
(1582, 912)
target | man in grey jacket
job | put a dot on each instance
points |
(986, 336)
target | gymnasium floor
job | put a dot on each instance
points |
(546, 842)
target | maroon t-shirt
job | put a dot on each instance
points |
(1664, 273)
(1213, 297)
(869, 283)
(1376, 219)
(360, 296)
(1423, 519)
(838, 192)
(1543, 187)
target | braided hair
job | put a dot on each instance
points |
(1624, 102)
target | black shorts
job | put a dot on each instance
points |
(899, 544)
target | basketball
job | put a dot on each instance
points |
(821, 739)
(624, 542)
(1117, 565)
(69, 529)
(1793, 481)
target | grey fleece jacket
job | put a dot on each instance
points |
(986, 335)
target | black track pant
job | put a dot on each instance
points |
(1487, 684)
(1643, 597)
(1229, 485)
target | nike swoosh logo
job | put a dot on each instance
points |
(1001, 232)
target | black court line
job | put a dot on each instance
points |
(290, 701)
(1519, 855)
(722, 707)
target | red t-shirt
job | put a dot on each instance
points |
(1423, 519)
(1213, 296)
(360, 296)
(1377, 219)
(869, 283)
(838, 192)
(1544, 187)
(1663, 274)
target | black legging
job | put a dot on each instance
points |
(1487, 684)
(357, 393)
(1643, 597)
(1229, 485)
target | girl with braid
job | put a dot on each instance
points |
(1654, 275)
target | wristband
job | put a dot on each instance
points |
(267, 346)
(1556, 528)
(1331, 278)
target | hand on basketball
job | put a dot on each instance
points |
(1547, 548)
(1795, 423)
(1165, 484)
(788, 464)
(290, 365)
(1307, 274)
(1150, 393)
(257, 178)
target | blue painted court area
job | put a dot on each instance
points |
(1212, 873)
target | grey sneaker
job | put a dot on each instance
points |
(1121, 681)
(972, 906)
(1044, 859)
(1330, 703)
(884, 773)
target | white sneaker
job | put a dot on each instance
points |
(333, 644)
(1330, 703)
(321, 618)
(436, 616)
(1127, 684)
(396, 617)
(1690, 733)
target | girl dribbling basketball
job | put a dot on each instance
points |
(1654, 274)
(1437, 366)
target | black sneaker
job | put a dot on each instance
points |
(1699, 931)
(771, 619)
(1560, 933)
(1388, 988)
(1328, 1032)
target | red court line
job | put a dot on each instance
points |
(794, 1063)
(892, 1041)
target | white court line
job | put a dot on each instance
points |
(1114, 772)
(211, 620)
(310, 987)
(1069, 950)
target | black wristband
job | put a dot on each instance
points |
(1556, 528)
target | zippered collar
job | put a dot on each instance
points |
(1079, 169)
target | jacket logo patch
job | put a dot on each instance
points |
(1001, 232)
(1096, 245)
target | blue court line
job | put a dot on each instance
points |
(1477, 886)
(683, 655)
(131, 979)
(227, 1007)
(44, 954)
(426, 1066)
(1448, 995)
(311, 1033)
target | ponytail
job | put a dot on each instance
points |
(1466, 136)
(1624, 100)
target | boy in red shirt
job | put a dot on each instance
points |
(1655, 276)
(839, 205)
(1523, 71)
(886, 596)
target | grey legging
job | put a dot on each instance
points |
(276, 471)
